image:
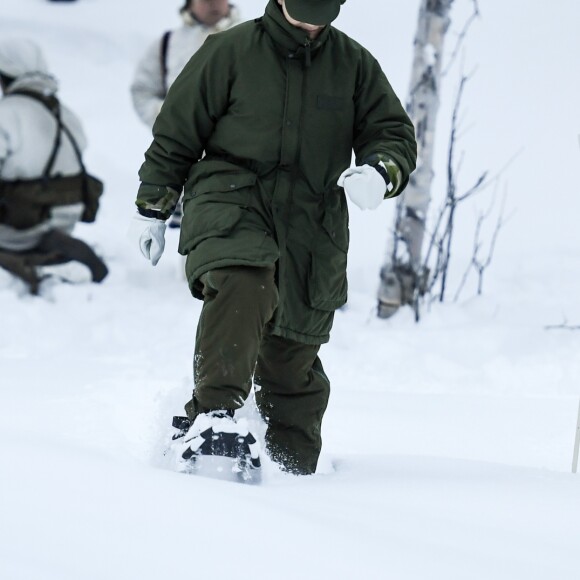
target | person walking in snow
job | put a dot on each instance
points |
(44, 188)
(167, 56)
(277, 105)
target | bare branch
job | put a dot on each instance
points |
(493, 179)
(482, 266)
(461, 37)
(474, 188)
(476, 248)
(563, 326)
(451, 188)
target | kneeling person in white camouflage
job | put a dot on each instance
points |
(44, 188)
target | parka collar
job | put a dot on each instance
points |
(289, 38)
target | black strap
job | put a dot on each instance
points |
(163, 59)
(74, 144)
(49, 164)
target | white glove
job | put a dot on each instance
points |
(364, 185)
(150, 234)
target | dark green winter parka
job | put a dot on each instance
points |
(256, 130)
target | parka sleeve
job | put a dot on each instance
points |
(194, 104)
(382, 128)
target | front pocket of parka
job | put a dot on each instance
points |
(214, 207)
(336, 228)
(208, 220)
(335, 218)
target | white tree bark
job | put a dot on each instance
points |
(403, 257)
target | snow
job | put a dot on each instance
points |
(447, 444)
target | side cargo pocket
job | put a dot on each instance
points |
(213, 208)
(327, 281)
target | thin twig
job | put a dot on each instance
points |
(461, 37)
(451, 185)
(474, 188)
(563, 326)
(476, 248)
(482, 266)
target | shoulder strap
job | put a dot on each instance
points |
(53, 105)
(74, 144)
(56, 146)
(163, 58)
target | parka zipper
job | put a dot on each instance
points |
(294, 170)
(307, 55)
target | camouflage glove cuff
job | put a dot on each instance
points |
(157, 198)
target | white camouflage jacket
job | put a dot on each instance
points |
(149, 87)
(27, 134)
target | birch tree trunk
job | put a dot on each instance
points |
(402, 273)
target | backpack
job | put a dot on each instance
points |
(25, 203)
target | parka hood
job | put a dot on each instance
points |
(20, 56)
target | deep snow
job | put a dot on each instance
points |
(447, 445)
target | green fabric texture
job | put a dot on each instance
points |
(292, 397)
(257, 129)
(233, 341)
(238, 303)
(165, 197)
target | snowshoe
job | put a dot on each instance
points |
(214, 435)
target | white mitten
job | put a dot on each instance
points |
(364, 185)
(150, 235)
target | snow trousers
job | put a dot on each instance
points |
(234, 348)
(55, 247)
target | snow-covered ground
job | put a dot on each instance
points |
(447, 445)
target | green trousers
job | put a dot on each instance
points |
(233, 348)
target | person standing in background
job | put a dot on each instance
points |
(168, 55)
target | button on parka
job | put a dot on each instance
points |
(257, 129)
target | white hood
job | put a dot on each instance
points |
(20, 56)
